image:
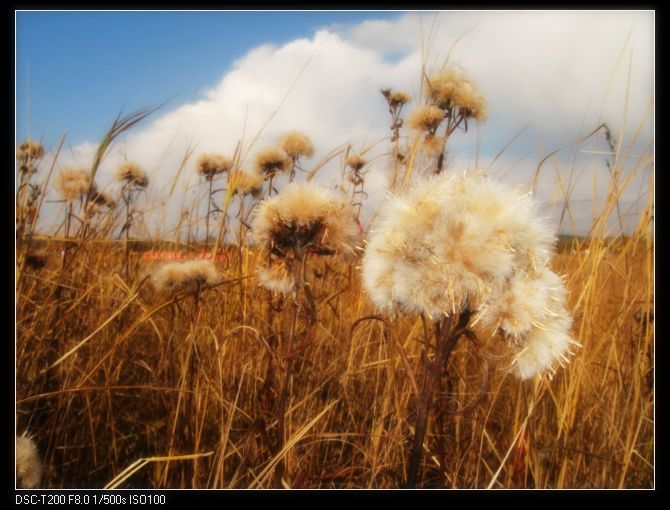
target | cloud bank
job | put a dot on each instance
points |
(561, 73)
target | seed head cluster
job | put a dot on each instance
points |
(296, 145)
(453, 89)
(210, 165)
(356, 162)
(72, 183)
(29, 149)
(247, 182)
(272, 161)
(303, 216)
(425, 118)
(189, 276)
(306, 215)
(132, 173)
(466, 241)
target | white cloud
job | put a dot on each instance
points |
(551, 69)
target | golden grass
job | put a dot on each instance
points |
(131, 375)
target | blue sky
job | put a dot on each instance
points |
(81, 68)
(248, 77)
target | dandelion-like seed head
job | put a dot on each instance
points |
(29, 149)
(470, 102)
(296, 144)
(189, 276)
(445, 244)
(72, 183)
(101, 198)
(247, 182)
(546, 346)
(210, 165)
(132, 173)
(396, 98)
(425, 118)
(453, 89)
(28, 463)
(308, 216)
(356, 162)
(272, 160)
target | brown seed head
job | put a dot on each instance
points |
(212, 164)
(272, 160)
(296, 144)
(426, 118)
(132, 173)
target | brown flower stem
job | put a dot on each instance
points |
(209, 210)
(446, 337)
(298, 263)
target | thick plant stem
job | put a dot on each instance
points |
(446, 337)
(298, 263)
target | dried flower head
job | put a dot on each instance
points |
(306, 216)
(456, 242)
(101, 198)
(446, 244)
(209, 165)
(247, 182)
(132, 173)
(425, 118)
(28, 464)
(272, 160)
(72, 183)
(296, 144)
(453, 89)
(188, 276)
(396, 98)
(356, 162)
(29, 149)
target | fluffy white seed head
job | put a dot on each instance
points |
(29, 149)
(306, 215)
(132, 173)
(546, 346)
(209, 165)
(28, 464)
(296, 145)
(272, 161)
(72, 183)
(526, 298)
(247, 182)
(447, 242)
(188, 276)
(452, 88)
